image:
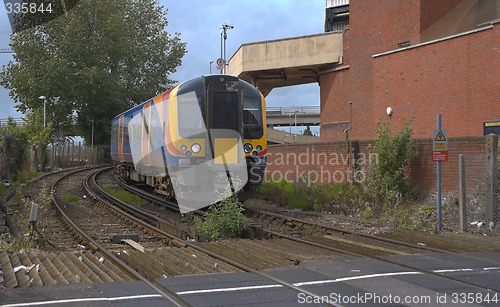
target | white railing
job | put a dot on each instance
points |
(335, 3)
(293, 110)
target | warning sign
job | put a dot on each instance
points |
(440, 156)
(440, 137)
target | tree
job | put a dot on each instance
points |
(38, 135)
(93, 63)
(13, 148)
(307, 131)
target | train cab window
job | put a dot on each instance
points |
(225, 110)
(191, 121)
(252, 118)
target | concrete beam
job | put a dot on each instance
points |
(287, 61)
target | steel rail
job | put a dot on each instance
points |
(382, 239)
(170, 296)
(344, 231)
(376, 257)
(232, 262)
(374, 237)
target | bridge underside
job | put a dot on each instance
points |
(286, 62)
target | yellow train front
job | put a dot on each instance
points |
(194, 138)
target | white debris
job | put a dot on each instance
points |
(101, 260)
(21, 267)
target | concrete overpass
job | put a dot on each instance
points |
(287, 61)
(293, 116)
(281, 137)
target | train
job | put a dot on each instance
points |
(195, 141)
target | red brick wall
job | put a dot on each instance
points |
(456, 77)
(335, 115)
(327, 162)
(374, 27)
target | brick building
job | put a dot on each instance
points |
(419, 57)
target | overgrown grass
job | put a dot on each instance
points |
(23, 176)
(351, 200)
(71, 198)
(337, 198)
(127, 197)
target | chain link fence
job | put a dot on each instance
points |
(479, 193)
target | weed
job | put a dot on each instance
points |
(222, 220)
(312, 232)
(16, 243)
(127, 197)
(71, 198)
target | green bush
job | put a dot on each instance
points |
(386, 180)
(222, 220)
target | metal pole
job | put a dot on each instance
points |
(44, 102)
(92, 142)
(222, 30)
(439, 182)
(225, 37)
(211, 66)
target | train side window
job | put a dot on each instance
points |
(115, 134)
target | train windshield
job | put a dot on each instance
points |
(191, 123)
(252, 118)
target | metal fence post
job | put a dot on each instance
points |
(462, 195)
(492, 181)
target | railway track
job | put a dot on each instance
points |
(224, 255)
(346, 243)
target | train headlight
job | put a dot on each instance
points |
(196, 148)
(184, 147)
(248, 148)
(259, 148)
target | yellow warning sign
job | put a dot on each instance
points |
(440, 146)
(440, 137)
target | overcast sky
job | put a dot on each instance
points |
(199, 21)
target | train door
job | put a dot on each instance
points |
(146, 133)
(120, 138)
(225, 118)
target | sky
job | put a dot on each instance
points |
(199, 21)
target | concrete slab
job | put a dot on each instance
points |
(230, 289)
(132, 293)
(74, 294)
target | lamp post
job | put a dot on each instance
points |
(224, 28)
(44, 101)
(92, 141)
